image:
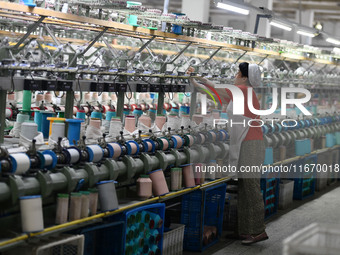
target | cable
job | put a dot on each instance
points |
(12, 83)
(129, 89)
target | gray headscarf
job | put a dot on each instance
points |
(254, 75)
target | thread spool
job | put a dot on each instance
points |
(75, 206)
(21, 163)
(176, 179)
(29, 130)
(8, 113)
(144, 187)
(81, 114)
(165, 143)
(145, 120)
(58, 130)
(48, 97)
(93, 198)
(75, 110)
(87, 97)
(27, 100)
(211, 173)
(45, 123)
(132, 147)
(185, 121)
(105, 97)
(159, 186)
(85, 204)
(107, 195)
(188, 176)
(96, 153)
(173, 122)
(197, 173)
(38, 119)
(189, 140)
(39, 98)
(117, 150)
(155, 223)
(160, 121)
(149, 146)
(95, 96)
(21, 117)
(130, 123)
(96, 123)
(178, 141)
(115, 127)
(110, 114)
(52, 120)
(50, 159)
(10, 96)
(77, 96)
(201, 168)
(74, 155)
(213, 136)
(198, 119)
(97, 115)
(73, 133)
(62, 209)
(31, 214)
(114, 97)
(202, 137)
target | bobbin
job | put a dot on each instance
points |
(73, 155)
(50, 159)
(149, 145)
(115, 150)
(95, 152)
(132, 148)
(20, 163)
(177, 141)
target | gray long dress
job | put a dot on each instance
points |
(250, 204)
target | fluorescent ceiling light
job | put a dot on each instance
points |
(332, 40)
(305, 33)
(232, 8)
(280, 25)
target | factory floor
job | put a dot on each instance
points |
(323, 207)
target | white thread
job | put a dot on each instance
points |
(97, 152)
(22, 162)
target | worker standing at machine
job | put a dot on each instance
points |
(246, 149)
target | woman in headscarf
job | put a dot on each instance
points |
(246, 149)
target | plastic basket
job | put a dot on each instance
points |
(230, 213)
(286, 193)
(173, 240)
(270, 191)
(304, 186)
(316, 239)
(155, 209)
(104, 239)
(202, 208)
(67, 245)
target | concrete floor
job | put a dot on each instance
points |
(322, 207)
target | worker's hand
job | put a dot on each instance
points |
(190, 70)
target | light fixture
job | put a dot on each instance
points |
(318, 25)
(233, 8)
(280, 25)
(333, 41)
(305, 33)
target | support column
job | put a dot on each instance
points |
(197, 10)
(307, 18)
(264, 27)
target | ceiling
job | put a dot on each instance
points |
(328, 10)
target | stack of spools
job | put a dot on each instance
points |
(143, 233)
